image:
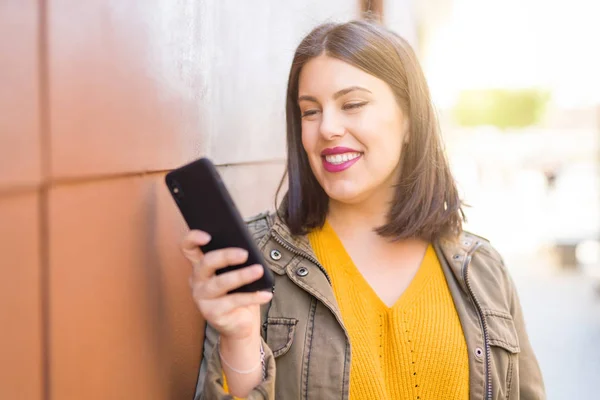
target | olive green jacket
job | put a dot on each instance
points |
(307, 347)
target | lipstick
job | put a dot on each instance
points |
(337, 159)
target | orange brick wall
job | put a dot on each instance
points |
(95, 300)
(98, 100)
(21, 349)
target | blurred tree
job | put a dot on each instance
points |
(502, 108)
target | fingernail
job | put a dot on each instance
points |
(207, 236)
(242, 253)
(265, 295)
(203, 236)
(257, 269)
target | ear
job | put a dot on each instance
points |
(406, 130)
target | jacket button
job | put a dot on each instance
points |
(276, 255)
(478, 352)
(456, 257)
(302, 271)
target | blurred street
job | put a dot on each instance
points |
(562, 312)
(543, 231)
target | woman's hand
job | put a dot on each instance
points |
(235, 316)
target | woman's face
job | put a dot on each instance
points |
(352, 130)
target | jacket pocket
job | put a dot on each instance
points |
(505, 348)
(502, 331)
(280, 334)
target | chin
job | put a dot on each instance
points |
(347, 195)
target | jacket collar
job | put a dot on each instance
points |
(298, 241)
(456, 253)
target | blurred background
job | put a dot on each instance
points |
(99, 99)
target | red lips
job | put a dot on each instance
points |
(330, 167)
(337, 150)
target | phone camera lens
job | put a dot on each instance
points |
(176, 189)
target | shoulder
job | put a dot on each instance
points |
(483, 247)
(484, 260)
(260, 224)
(489, 271)
(474, 250)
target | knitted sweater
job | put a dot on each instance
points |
(413, 350)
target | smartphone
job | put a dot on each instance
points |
(206, 205)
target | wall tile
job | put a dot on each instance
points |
(126, 85)
(20, 313)
(253, 186)
(19, 113)
(401, 17)
(120, 300)
(250, 62)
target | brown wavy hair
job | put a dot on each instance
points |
(426, 202)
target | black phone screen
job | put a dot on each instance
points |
(206, 205)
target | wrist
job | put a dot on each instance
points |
(240, 354)
(240, 345)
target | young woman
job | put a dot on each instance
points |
(378, 294)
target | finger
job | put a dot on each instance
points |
(217, 259)
(190, 245)
(219, 285)
(216, 310)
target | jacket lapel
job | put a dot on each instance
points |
(452, 255)
(300, 267)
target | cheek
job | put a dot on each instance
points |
(383, 133)
(385, 142)
(305, 141)
(394, 128)
(308, 139)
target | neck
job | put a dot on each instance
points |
(359, 217)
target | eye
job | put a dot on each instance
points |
(309, 113)
(354, 106)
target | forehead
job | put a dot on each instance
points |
(324, 75)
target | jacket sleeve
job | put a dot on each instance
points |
(530, 376)
(210, 381)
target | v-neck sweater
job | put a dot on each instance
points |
(414, 349)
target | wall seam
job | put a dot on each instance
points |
(43, 202)
(50, 183)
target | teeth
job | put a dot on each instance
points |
(341, 158)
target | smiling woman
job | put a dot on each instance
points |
(360, 127)
(360, 86)
(379, 294)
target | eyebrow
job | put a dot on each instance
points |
(337, 94)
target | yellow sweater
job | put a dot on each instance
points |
(414, 350)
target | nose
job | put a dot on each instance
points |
(331, 125)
